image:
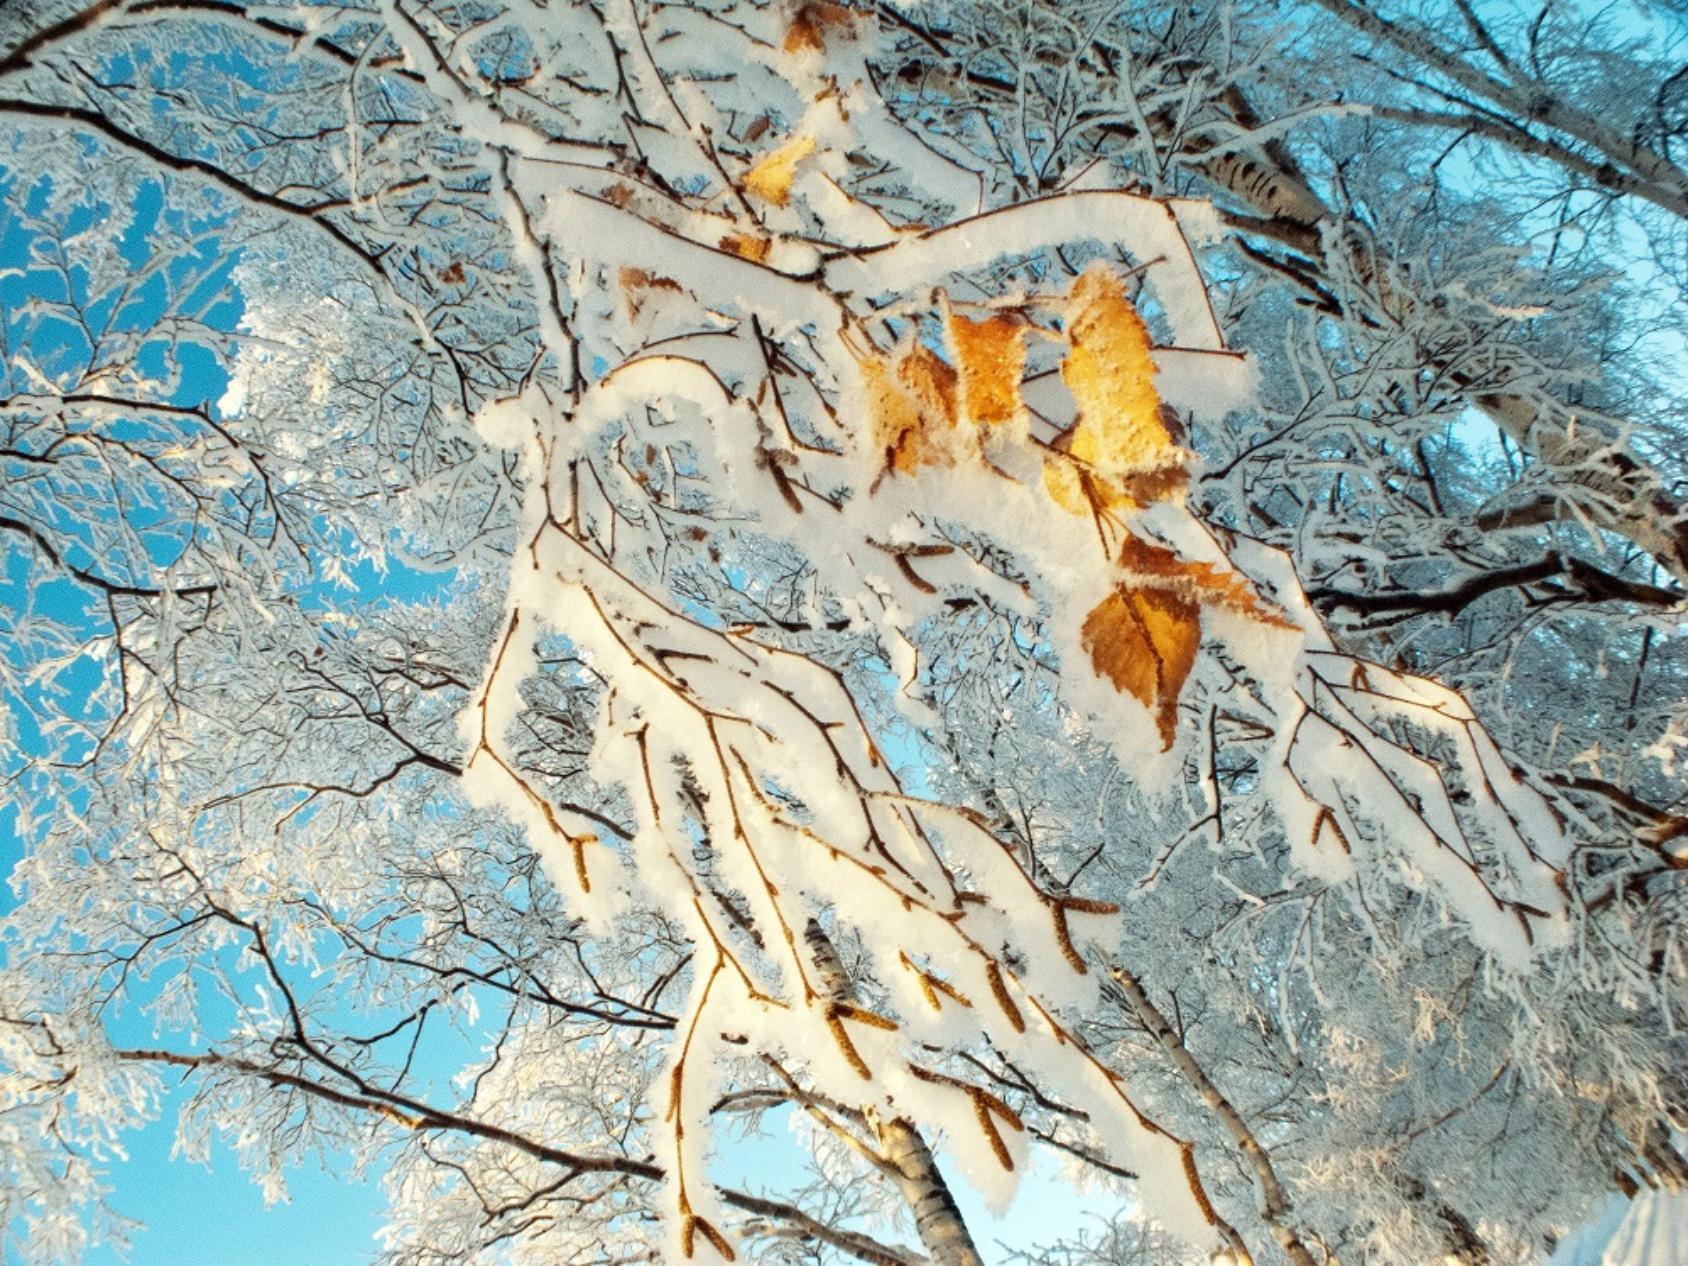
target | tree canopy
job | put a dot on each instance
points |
(599, 587)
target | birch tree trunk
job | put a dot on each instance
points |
(1624, 496)
(909, 1162)
(1274, 1200)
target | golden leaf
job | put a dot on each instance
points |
(1120, 453)
(809, 25)
(770, 179)
(1078, 489)
(1144, 637)
(1061, 479)
(1111, 373)
(912, 399)
(1145, 641)
(755, 249)
(1144, 561)
(990, 359)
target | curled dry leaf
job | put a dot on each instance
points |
(755, 249)
(638, 287)
(1144, 562)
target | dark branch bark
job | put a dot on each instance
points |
(251, 194)
(1595, 586)
(117, 589)
(21, 56)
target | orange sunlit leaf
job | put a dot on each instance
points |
(1145, 641)
(1144, 636)
(912, 397)
(1080, 489)
(811, 23)
(1065, 485)
(1144, 562)
(990, 358)
(770, 179)
(1120, 453)
(755, 249)
(1111, 373)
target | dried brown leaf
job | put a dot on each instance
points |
(1144, 562)
(639, 286)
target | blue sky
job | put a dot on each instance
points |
(194, 1216)
(214, 1217)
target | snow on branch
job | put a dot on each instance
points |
(782, 352)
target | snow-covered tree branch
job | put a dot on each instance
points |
(990, 588)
